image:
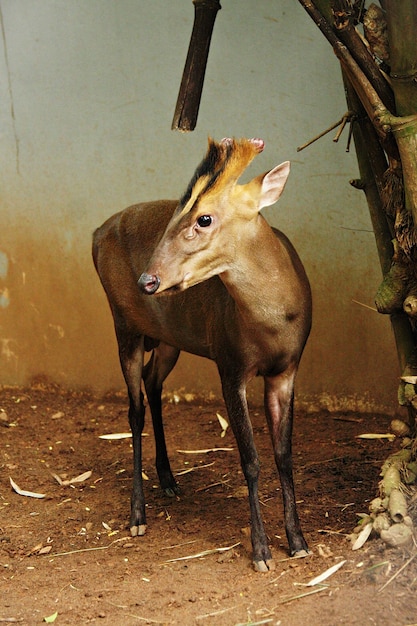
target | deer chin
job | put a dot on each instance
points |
(176, 288)
(191, 280)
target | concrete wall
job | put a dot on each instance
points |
(87, 93)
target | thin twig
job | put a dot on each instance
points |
(118, 606)
(319, 136)
(205, 615)
(357, 230)
(202, 554)
(325, 531)
(219, 482)
(290, 558)
(348, 419)
(267, 620)
(205, 450)
(376, 566)
(303, 595)
(88, 549)
(179, 545)
(148, 620)
(193, 469)
(394, 576)
(336, 458)
(345, 120)
(274, 580)
(366, 306)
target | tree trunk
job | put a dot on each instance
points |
(385, 124)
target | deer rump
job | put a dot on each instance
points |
(208, 275)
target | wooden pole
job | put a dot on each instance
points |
(188, 102)
(402, 24)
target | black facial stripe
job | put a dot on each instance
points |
(212, 166)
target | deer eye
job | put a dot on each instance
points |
(204, 220)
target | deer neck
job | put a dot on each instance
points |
(259, 276)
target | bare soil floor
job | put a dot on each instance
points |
(71, 553)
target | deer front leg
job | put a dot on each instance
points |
(161, 363)
(279, 394)
(236, 404)
(137, 501)
(131, 349)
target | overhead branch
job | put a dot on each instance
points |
(346, 31)
(393, 130)
(189, 96)
(375, 108)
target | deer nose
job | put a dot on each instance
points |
(149, 283)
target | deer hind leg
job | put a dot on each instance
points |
(279, 399)
(161, 363)
(235, 398)
(131, 350)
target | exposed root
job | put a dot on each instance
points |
(393, 513)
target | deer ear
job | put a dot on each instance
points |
(272, 184)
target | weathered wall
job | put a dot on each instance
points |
(87, 93)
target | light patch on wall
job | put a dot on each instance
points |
(58, 329)
(7, 352)
(4, 298)
(4, 264)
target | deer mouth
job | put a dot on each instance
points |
(181, 286)
(169, 291)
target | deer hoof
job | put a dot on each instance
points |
(172, 492)
(138, 531)
(264, 566)
(298, 554)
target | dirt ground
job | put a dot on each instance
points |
(69, 556)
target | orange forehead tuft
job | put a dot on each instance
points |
(222, 166)
(239, 154)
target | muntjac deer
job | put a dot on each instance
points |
(208, 275)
